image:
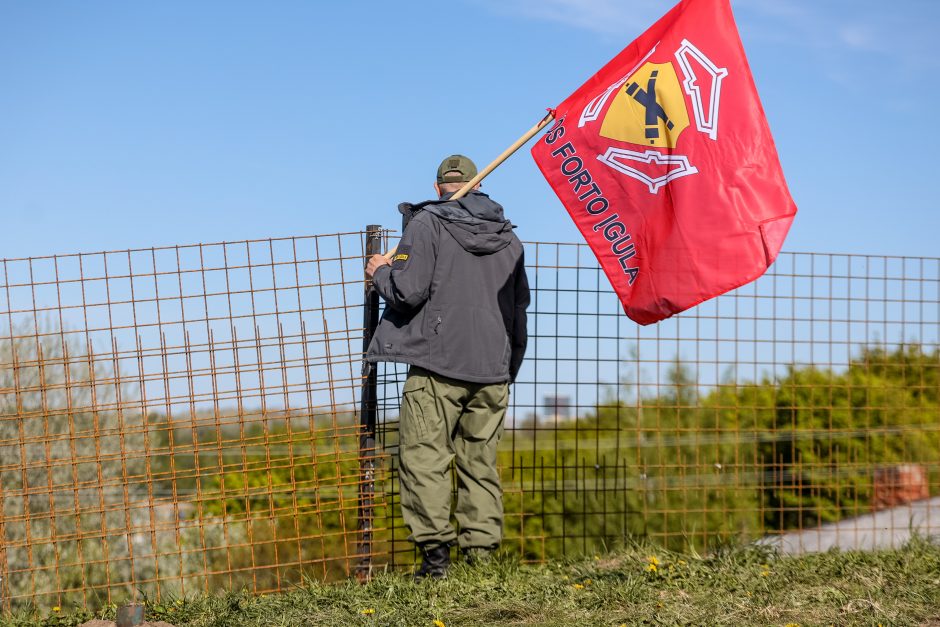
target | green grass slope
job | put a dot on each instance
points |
(638, 585)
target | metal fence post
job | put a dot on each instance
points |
(368, 410)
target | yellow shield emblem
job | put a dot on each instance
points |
(649, 109)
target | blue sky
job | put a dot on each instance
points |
(140, 124)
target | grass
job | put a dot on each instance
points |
(638, 585)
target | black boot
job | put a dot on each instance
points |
(435, 561)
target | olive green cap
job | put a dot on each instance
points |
(456, 169)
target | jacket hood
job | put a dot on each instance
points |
(475, 221)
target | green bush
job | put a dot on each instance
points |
(688, 468)
(693, 469)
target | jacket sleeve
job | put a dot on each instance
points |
(406, 283)
(520, 334)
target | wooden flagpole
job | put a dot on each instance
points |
(482, 174)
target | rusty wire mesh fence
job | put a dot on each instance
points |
(801, 411)
(185, 419)
(180, 416)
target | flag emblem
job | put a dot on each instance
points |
(649, 109)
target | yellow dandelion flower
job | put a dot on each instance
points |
(651, 568)
(564, 578)
(596, 558)
(367, 611)
(438, 623)
(652, 560)
(57, 609)
(765, 573)
(588, 582)
(578, 586)
(792, 625)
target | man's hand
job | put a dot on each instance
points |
(374, 262)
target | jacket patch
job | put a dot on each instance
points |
(402, 256)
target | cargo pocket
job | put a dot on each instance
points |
(416, 412)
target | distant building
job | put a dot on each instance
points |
(556, 407)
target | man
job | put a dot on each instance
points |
(456, 295)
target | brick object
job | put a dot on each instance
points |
(897, 485)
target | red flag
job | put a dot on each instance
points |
(665, 162)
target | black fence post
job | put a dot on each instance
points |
(368, 414)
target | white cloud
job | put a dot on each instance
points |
(607, 17)
(905, 38)
(875, 27)
(857, 36)
(781, 8)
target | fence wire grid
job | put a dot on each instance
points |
(183, 419)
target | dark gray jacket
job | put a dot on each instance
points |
(456, 292)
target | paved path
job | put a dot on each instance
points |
(890, 528)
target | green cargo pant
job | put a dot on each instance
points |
(442, 420)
